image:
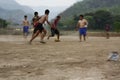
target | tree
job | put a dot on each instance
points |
(91, 22)
(117, 26)
(3, 23)
(101, 18)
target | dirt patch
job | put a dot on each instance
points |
(65, 60)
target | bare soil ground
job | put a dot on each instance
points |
(65, 60)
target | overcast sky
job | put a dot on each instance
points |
(49, 3)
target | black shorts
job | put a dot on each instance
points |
(54, 31)
(38, 27)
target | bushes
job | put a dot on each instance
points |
(97, 21)
(3, 23)
(116, 26)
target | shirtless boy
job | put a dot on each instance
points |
(39, 28)
(25, 27)
(82, 27)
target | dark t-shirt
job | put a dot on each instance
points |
(54, 24)
(35, 20)
(107, 28)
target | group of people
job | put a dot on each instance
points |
(38, 22)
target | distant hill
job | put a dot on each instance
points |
(54, 11)
(87, 6)
(14, 12)
(13, 5)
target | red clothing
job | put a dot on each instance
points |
(54, 24)
(107, 28)
(35, 21)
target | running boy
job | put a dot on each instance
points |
(54, 29)
(82, 27)
(35, 19)
(25, 27)
(39, 28)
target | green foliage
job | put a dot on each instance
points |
(91, 22)
(68, 24)
(117, 26)
(96, 20)
(3, 23)
(97, 12)
(116, 18)
(101, 18)
(87, 6)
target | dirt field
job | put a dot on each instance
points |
(65, 60)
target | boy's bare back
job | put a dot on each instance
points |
(43, 19)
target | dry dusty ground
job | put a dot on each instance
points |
(65, 60)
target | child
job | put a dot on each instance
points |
(35, 19)
(82, 27)
(39, 28)
(54, 29)
(25, 27)
(107, 29)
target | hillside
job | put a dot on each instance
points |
(14, 12)
(87, 6)
(13, 5)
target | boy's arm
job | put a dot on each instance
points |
(28, 23)
(47, 20)
(85, 22)
(32, 22)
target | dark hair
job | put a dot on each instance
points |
(47, 11)
(35, 13)
(25, 16)
(81, 16)
(58, 16)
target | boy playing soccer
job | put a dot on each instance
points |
(35, 19)
(54, 29)
(39, 28)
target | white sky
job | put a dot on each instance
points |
(50, 3)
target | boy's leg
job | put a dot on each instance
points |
(80, 36)
(25, 35)
(107, 33)
(43, 34)
(34, 36)
(52, 33)
(84, 34)
(24, 32)
(34, 31)
(27, 32)
(84, 37)
(58, 34)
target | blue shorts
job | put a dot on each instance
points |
(82, 31)
(25, 29)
